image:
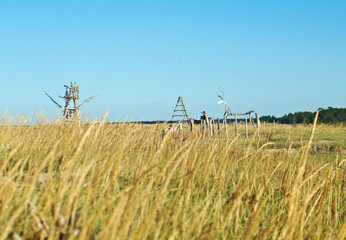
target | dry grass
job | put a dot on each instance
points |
(121, 181)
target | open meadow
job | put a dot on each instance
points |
(124, 181)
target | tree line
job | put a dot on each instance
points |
(328, 115)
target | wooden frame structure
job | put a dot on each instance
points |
(71, 108)
(228, 112)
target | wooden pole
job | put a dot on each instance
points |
(236, 125)
(246, 129)
(202, 126)
(258, 121)
(207, 123)
(205, 128)
(210, 132)
(218, 126)
(211, 127)
(258, 124)
(225, 122)
(251, 119)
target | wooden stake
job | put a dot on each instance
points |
(225, 122)
(258, 124)
(246, 130)
(203, 127)
(251, 119)
(236, 125)
(211, 127)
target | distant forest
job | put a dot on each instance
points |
(329, 115)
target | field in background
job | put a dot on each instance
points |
(123, 181)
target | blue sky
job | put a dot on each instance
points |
(273, 57)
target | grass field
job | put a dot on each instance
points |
(123, 181)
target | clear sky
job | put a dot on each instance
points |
(273, 57)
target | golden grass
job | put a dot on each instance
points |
(122, 181)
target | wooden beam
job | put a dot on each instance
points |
(237, 114)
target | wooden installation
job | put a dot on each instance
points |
(180, 111)
(208, 126)
(247, 115)
(71, 108)
(180, 116)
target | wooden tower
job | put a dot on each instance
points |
(71, 108)
(180, 111)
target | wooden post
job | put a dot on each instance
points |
(218, 126)
(192, 125)
(258, 124)
(236, 125)
(246, 130)
(225, 122)
(202, 125)
(258, 121)
(205, 128)
(162, 135)
(251, 119)
(274, 123)
(211, 127)
(207, 123)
